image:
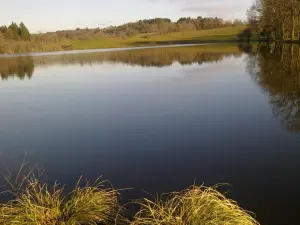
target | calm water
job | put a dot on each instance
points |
(161, 119)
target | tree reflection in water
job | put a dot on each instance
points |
(276, 67)
(22, 67)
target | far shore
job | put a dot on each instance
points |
(212, 36)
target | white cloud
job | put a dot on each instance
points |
(222, 8)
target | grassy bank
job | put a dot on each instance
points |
(228, 34)
(36, 203)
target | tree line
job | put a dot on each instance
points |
(275, 19)
(15, 32)
(17, 38)
(156, 25)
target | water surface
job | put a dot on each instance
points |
(162, 119)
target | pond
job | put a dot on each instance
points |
(161, 119)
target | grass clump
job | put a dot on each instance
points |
(194, 206)
(91, 205)
(39, 205)
(35, 205)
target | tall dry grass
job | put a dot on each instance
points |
(38, 204)
(194, 206)
(91, 204)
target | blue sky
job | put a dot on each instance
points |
(50, 15)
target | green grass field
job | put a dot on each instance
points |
(228, 34)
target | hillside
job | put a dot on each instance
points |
(65, 41)
(189, 37)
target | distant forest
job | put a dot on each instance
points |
(17, 38)
(156, 25)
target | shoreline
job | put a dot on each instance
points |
(92, 50)
(130, 47)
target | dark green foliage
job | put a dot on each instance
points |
(24, 32)
(185, 19)
(15, 32)
(156, 20)
(14, 27)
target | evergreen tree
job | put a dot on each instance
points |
(24, 32)
(14, 30)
